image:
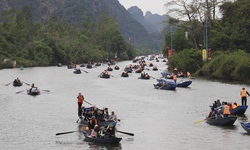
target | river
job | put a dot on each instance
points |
(160, 119)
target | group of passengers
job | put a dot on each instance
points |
(221, 110)
(94, 116)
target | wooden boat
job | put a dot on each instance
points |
(89, 66)
(124, 75)
(246, 126)
(117, 68)
(222, 121)
(184, 83)
(109, 69)
(165, 85)
(77, 71)
(17, 84)
(240, 110)
(144, 78)
(112, 140)
(166, 75)
(71, 66)
(106, 76)
(34, 91)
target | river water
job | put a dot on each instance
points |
(160, 119)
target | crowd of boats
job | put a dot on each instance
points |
(100, 126)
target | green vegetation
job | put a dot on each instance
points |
(35, 44)
(228, 37)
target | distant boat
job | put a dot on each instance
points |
(21, 68)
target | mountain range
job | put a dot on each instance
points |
(141, 31)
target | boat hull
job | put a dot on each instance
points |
(222, 121)
(113, 140)
(240, 110)
(184, 84)
(246, 126)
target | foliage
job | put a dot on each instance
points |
(231, 66)
(186, 60)
(35, 44)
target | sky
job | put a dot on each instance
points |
(154, 6)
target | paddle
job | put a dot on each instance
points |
(46, 90)
(19, 91)
(199, 121)
(87, 102)
(161, 86)
(152, 77)
(66, 132)
(85, 71)
(131, 134)
(26, 83)
(8, 84)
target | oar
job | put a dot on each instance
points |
(161, 86)
(87, 102)
(131, 134)
(8, 84)
(66, 132)
(19, 91)
(85, 71)
(152, 77)
(46, 90)
(26, 83)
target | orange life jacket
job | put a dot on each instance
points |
(90, 122)
(226, 110)
(80, 99)
(174, 77)
(243, 93)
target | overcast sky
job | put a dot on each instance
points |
(154, 6)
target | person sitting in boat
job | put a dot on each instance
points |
(124, 73)
(95, 131)
(188, 74)
(88, 115)
(17, 80)
(92, 123)
(110, 131)
(102, 133)
(100, 115)
(33, 88)
(112, 116)
(235, 105)
(226, 110)
(105, 72)
(142, 74)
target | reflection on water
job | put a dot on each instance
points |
(94, 146)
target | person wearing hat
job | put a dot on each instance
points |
(102, 133)
(244, 94)
(92, 123)
(110, 131)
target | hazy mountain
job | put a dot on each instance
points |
(76, 11)
(153, 23)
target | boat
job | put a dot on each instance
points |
(77, 71)
(98, 64)
(89, 66)
(33, 91)
(166, 75)
(117, 68)
(221, 121)
(165, 85)
(184, 83)
(124, 74)
(109, 69)
(239, 110)
(111, 140)
(246, 126)
(71, 66)
(106, 76)
(144, 77)
(15, 84)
